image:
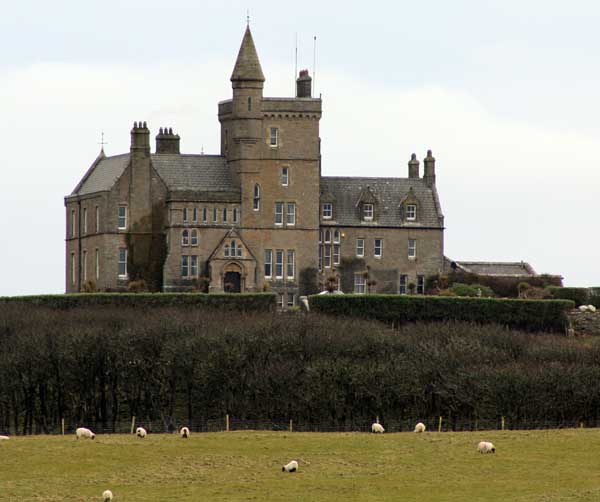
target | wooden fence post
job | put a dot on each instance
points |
(440, 425)
(132, 424)
(227, 422)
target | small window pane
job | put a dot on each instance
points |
(194, 237)
(185, 215)
(185, 270)
(285, 176)
(360, 247)
(268, 262)
(204, 215)
(194, 270)
(256, 201)
(122, 217)
(411, 212)
(215, 215)
(235, 215)
(274, 136)
(291, 255)
(122, 262)
(367, 212)
(185, 238)
(412, 248)
(420, 284)
(403, 284)
(279, 263)
(291, 213)
(378, 252)
(279, 213)
(359, 284)
(327, 211)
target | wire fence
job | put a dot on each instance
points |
(227, 423)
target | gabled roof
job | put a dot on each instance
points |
(247, 65)
(389, 192)
(496, 268)
(102, 175)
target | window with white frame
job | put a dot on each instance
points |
(279, 264)
(97, 219)
(185, 266)
(84, 265)
(403, 284)
(279, 213)
(367, 212)
(72, 268)
(84, 220)
(360, 248)
(285, 176)
(360, 283)
(336, 247)
(122, 263)
(185, 238)
(268, 263)
(274, 137)
(73, 222)
(412, 249)
(225, 215)
(194, 266)
(97, 262)
(291, 213)
(378, 248)
(204, 215)
(291, 263)
(195, 215)
(235, 214)
(327, 256)
(291, 300)
(215, 215)
(411, 212)
(185, 215)
(256, 200)
(321, 249)
(327, 210)
(122, 223)
(280, 300)
(226, 251)
(194, 237)
(420, 284)
(327, 236)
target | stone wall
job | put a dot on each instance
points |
(585, 323)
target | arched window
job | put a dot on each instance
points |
(194, 237)
(327, 236)
(226, 249)
(256, 204)
(185, 238)
(336, 237)
(233, 247)
(239, 251)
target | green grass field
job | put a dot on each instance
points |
(528, 466)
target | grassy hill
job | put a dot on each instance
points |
(528, 466)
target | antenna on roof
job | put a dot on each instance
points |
(247, 17)
(102, 142)
(296, 67)
(314, 81)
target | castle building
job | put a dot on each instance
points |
(258, 216)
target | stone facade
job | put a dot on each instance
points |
(258, 216)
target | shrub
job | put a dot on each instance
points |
(137, 286)
(472, 290)
(506, 287)
(531, 315)
(580, 296)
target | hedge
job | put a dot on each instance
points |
(580, 296)
(245, 302)
(531, 315)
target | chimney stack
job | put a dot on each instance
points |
(140, 137)
(167, 142)
(429, 173)
(304, 85)
(413, 166)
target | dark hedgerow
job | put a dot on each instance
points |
(531, 315)
(580, 296)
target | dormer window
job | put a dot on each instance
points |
(368, 212)
(274, 137)
(327, 210)
(411, 212)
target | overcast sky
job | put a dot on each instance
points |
(504, 92)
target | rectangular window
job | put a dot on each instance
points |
(97, 219)
(194, 269)
(224, 215)
(291, 258)
(280, 300)
(185, 215)
(412, 249)
(378, 251)
(327, 256)
(84, 220)
(279, 213)
(268, 263)
(185, 266)
(215, 215)
(320, 257)
(403, 284)
(122, 263)
(360, 247)
(411, 212)
(97, 260)
(72, 268)
(279, 264)
(274, 137)
(420, 284)
(336, 254)
(367, 212)
(204, 215)
(360, 284)
(291, 213)
(122, 217)
(235, 214)
(327, 211)
(73, 222)
(84, 259)
(285, 176)
(291, 300)
(195, 215)
(194, 237)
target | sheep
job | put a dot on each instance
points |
(377, 427)
(83, 433)
(591, 308)
(184, 432)
(140, 432)
(486, 447)
(420, 427)
(107, 496)
(4, 438)
(583, 308)
(291, 467)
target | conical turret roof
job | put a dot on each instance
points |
(247, 66)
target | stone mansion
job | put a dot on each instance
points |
(258, 216)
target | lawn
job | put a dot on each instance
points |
(528, 466)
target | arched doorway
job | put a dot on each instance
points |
(232, 278)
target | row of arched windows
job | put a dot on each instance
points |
(233, 250)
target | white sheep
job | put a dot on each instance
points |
(583, 308)
(140, 432)
(486, 447)
(591, 308)
(184, 432)
(107, 496)
(377, 427)
(83, 433)
(420, 427)
(4, 438)
(291, 467)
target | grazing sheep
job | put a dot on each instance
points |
(583, 308)
(83, 433)
(377, 427)
(486, 447)
(291, 467)
(591, 308)
(107, 496)
(3, 438)
(420, 427)
(184, 432)
(140, 432)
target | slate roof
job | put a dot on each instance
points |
(389, 193)
(247, 65)
(102, 175)
(504, 269)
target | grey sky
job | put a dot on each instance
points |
(503, 92)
